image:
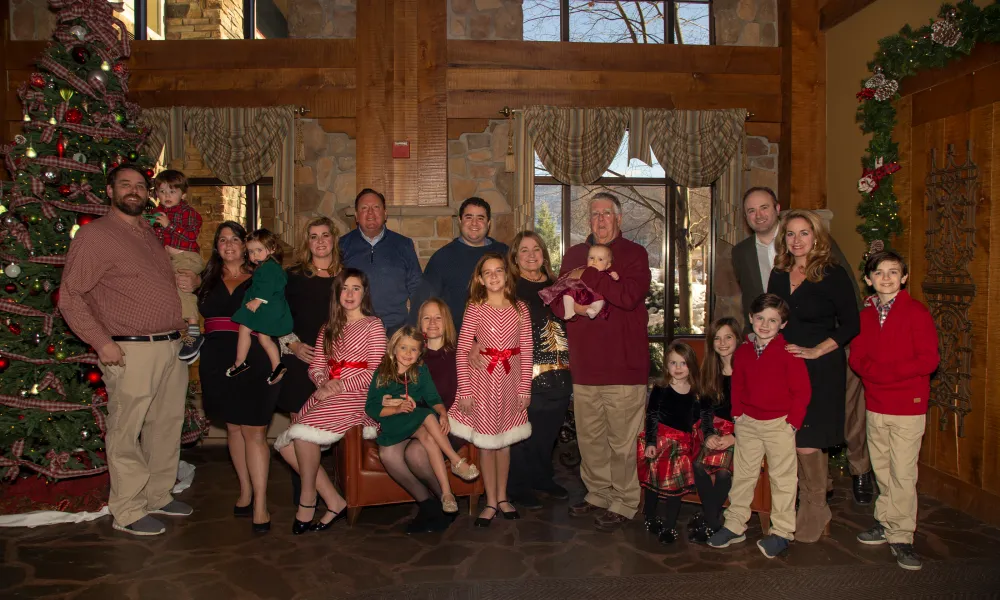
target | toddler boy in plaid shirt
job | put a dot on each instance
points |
(178, 226)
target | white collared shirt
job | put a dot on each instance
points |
(765, 258)
(374, 240)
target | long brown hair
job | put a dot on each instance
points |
(269, 240)
(687, 353)
(819, 257)
(303, 256)
(338, 316)
(711, 373)
(515, 270)
(388, 369)
(448, 321)
(477, 291)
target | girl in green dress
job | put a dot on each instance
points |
(267, 312)
(404, 401)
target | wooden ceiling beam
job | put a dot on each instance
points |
(835, 12)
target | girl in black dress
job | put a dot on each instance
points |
(713, 469)
(244, 404)
(823, 319)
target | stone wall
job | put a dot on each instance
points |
(476, 168)
(746, 22)
(203, 19)
(322, 18)
(485, 20)
(31, 20)
(325, 181)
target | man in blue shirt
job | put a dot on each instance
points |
(386, 257)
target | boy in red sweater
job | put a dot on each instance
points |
(895, 354)
(770, 393)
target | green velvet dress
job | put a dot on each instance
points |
(396, 428)
(273, 318)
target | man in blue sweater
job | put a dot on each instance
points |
(451, 268)
(387, 257)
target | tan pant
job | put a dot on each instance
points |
(854, 423)
(894, 443)
(145, 397)
(190, 261)
(755, 439)
(608, 421)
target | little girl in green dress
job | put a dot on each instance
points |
(404, 401)
(267, 312)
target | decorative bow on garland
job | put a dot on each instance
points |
(870, 178)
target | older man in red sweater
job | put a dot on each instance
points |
(609, 360)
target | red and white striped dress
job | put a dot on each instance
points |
(498, 419)
(356, 355)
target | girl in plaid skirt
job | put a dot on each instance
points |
(713, 469)
(666, 461)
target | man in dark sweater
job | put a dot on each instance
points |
(609, 361)
(451, 268)
(387, 257)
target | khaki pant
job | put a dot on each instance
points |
(145, 398)
(190, 261)
(755, 439)
(894, 443)
(608, 421)
(854, 423)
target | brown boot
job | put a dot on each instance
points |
(813, 515)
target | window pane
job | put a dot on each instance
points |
(540, 170)
(643, 222)
(541, 20)
(548, 220)
(271, 21)
(621, 166)
(616, 22)
(693, 23)
(656, 370)
(692, 247)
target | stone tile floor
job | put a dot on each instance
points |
(212, 555)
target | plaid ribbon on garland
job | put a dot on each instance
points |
(27, 311)
(53, 259)
(56, 469)
(87, 359)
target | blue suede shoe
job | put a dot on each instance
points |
(723, 538)
(773, 545)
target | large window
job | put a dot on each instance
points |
(672, 222)
(236, 19)
(616, 21)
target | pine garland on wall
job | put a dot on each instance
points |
(953, 35)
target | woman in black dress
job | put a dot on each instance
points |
(531, 469)
(245, 404)
(823, 320)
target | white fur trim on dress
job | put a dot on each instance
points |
(490, 442)
(309, 434)
(369, 432)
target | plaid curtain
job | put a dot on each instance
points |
(166, 132)
(576, 145)
(693, 146)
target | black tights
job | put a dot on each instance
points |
(713, 495)
(408, 465)
(667, 511)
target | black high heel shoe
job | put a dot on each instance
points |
(243, 511)
(321, 526)
(261, 527)
(511, 515)
(300, 527)
(483, 521)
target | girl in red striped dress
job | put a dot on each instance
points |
(348, 350)
(491, 407)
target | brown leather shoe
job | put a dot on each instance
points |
(610, 521)
(583, 509)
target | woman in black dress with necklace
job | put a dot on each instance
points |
(823, 320)
(245, 404)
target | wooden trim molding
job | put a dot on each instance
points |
(959, 494)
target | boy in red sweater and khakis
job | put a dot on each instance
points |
(895, 354)
(770, 393)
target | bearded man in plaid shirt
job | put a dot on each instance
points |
(178, 226)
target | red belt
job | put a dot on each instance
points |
(337, 366)
(498, 356)
(213, 324)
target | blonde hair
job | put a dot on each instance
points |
(450, 334)
(388, 369)
(303, 256)
(515, 270)
(477, 291)
(819, 257)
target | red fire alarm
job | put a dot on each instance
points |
(401, 149)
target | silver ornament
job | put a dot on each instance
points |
(97, 77)
(50, 85)
(80, 157)
(13, 270)
(20, 139)
(47, 285)
(9, 220)
(49, 174)
(84, 434)
(59, 227)
(78, 32)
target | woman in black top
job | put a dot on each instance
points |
(551, 387)
(245, 404)
(823, 320)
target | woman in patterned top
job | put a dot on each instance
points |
(348, 350)
(491, 408)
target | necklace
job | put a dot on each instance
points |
(541, 277)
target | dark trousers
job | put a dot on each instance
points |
(531, 459)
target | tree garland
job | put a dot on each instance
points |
(953, 35)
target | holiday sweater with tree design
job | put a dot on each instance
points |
(550, 345)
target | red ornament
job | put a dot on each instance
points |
(37, 80)
(101, 392)
(149, 173)
(14, 328)
(4, 363)
(51, 349)
(10, 288)
(93, 377)
(61, 147)
(65, 190)
(119, 68)
(83, 219)
(114, 165)
(74, 116)
(55, 297)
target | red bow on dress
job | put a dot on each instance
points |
(496, 356)
(337, 367)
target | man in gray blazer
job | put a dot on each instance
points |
(753, 259)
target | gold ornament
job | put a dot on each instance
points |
(66, 94)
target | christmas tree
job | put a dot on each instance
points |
(78, 125)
